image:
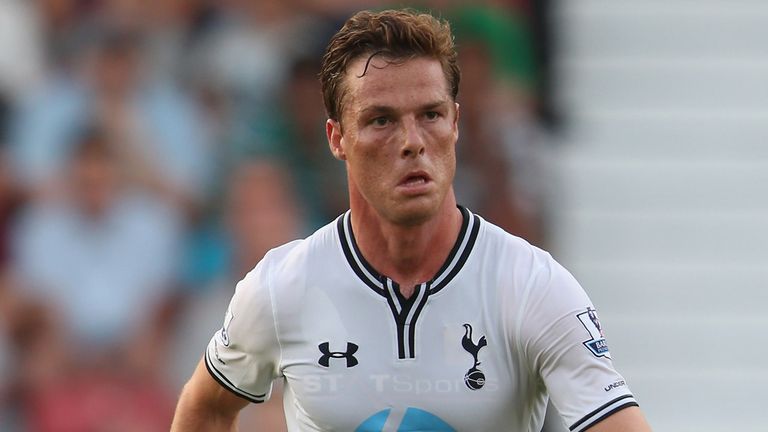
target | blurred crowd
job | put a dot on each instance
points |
(151, 152)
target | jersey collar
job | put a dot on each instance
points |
(470, 227)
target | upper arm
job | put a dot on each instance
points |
(208, 392)
(240, 363)
(244, 355)
(562, 341)
(206, 405)
(627, 420)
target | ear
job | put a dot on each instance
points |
(456, 117)
(456, 121)
(333, 133)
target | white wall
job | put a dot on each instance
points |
(661, 209)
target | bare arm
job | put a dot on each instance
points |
(627, 420)
(205, 405)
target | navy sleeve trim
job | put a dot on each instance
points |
(604, 412)
(221, 379)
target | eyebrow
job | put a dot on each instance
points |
(433, 105)
(377, 109)
(385, 109)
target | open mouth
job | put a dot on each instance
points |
(415, 179)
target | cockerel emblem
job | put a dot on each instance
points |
(474, 378)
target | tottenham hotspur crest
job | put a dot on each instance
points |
(474, 378)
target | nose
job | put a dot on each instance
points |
(413, 139)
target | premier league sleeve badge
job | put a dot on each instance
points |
(596, 343)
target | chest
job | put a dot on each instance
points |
(441, 361)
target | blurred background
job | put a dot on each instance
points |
(152, 151)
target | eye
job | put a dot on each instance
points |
(380, 121)
(432, 115)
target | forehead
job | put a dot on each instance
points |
(400, 84)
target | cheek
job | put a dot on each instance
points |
(444, 155)
(367, 162)
(448, 165)
(444, 140)
(374, 149)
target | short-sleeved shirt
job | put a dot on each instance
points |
(482, 346)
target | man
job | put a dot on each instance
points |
(95, 267)
(408, 312)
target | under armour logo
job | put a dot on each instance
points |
(474, 378)
(327, 354)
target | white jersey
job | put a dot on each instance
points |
(480, 347)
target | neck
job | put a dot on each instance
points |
(410, 254)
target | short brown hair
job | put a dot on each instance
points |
(396, 34)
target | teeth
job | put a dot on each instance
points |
(416, 180)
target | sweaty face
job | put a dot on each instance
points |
(397, 135)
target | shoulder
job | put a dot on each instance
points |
(278, 286)
(524, 274)
(511, 253)
(297, 253)
(289, 265)
(543, 289)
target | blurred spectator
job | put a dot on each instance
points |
(170, 29)
(500, 143)
(248, 53)
(243, 65)
(321, 179)
(103, 253)
(156, 128)
(261, 212)
(9, 202)
(505, 33)
(21, 57)
(10, 197)
(96, 269)
(8, 408)
(61, 29)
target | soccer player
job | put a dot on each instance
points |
(409, 312)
